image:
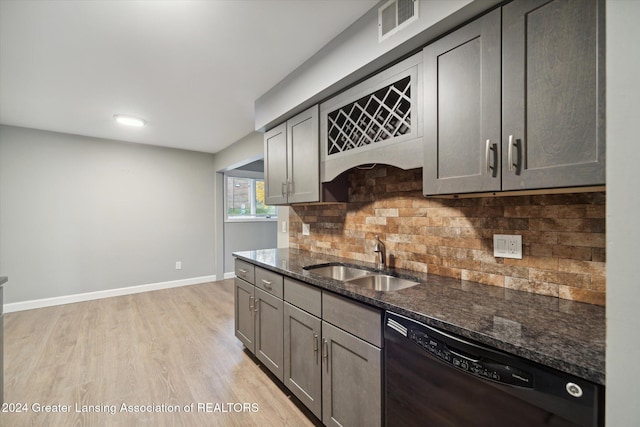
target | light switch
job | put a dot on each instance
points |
(305, 230)
(507, 246)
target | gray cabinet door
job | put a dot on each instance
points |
(269, 331)
(302, 363)
(244, 322)
(275, 165)
(351, 380)
(303, 144)
(553, 94)
(462, 109)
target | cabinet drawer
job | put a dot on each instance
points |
(358, 319)
(245, 271)
(269, 281)
(304, 296)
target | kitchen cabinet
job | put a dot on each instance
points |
(302, 334)
(376, 121)
(351, 366)
(258, 314)
(351, 379)
(269, 312)
(244, 304)
(339, 380)
(292, 160)
(553, 94)
(462, 109)
(520, 110)
(325, 348)
(244, 313)
(269, 318)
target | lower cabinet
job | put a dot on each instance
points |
(333, 362)
(302, 361)
(325, 348)
(258, 317)
(244, 322)
(268, 337)
(351, 380)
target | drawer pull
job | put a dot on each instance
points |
(267, 284)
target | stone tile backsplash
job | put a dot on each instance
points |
(563, 235)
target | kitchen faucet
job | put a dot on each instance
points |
(381, 250)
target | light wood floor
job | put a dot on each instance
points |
(168, 347)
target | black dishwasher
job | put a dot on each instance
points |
(433, 378)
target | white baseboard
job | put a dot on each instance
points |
(68, 299)
(230, 275)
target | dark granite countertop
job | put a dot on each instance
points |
(565, 335)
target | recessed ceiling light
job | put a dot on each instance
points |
(129, 120)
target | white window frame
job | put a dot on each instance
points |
(249, 175)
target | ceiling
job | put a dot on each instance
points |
(191, 69)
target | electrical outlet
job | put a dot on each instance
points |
(507, 246)
(306, 230)
(284, 227)
(178, 265)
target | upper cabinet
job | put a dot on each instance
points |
(292, 160)
(462, 109)
(376, 121)
(553, 94)
(546, 88)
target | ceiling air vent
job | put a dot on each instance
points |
(395, 15)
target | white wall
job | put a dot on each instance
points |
(80, 214)
(623, 210)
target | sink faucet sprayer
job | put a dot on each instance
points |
(381, 250)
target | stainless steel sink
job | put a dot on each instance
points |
(382, 282)
(361, 277)
(338, 272)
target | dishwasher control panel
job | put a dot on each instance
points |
(474, 365)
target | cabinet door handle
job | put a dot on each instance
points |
(510, 153)
(315, 346)
(517, 164)
(325, 352)
(489, 147)
(255, 305)
(289, 187)
(267, 284)
(282, 188)
(251, 300)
